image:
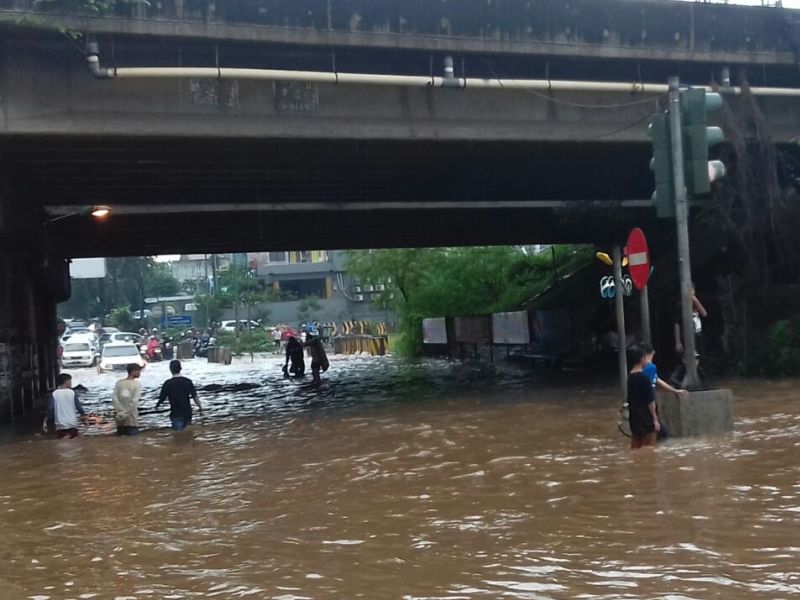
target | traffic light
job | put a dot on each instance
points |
(699, 172)
(661, 165)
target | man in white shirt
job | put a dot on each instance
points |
(125, 401)
(63, 407)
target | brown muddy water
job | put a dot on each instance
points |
(430, 481)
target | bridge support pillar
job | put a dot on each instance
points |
(29, 293)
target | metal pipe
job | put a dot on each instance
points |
(93, 60)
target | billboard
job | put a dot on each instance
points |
(473, 330)
(87, 268)
(434, 331)
(511, 328)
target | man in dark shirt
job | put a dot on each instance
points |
(641, 403)
(179, 390)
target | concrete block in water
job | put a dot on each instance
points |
(220, 355)
(701, 413)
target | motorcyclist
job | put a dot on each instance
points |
(152, 346)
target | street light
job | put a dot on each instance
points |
(96, 211)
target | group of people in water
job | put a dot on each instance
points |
(65, 411)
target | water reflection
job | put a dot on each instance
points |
(426, 481)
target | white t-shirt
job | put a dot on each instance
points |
(277, 335)
(64, 412)
(126, 402)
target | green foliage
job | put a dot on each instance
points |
(274, 295)
(446, 282)
(128, 282)
(209, 309)
(121, 318)
(780, 356)
(307, 308)
(259, 341)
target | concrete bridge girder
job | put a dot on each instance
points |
(64, 99)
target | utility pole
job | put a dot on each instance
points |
(622, 345)
(644, 307)
(682, 221)
(206, 265)
(214, 273)
(235, 293)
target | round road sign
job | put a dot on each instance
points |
(638, 258)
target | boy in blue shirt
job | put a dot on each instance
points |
(651, 372)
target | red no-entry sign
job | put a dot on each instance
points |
(638, 258)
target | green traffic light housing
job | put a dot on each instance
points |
(698, 137)
(661, 165)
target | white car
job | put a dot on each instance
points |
(244, 324)
(120, 336)
(118, 355)
(78, 353)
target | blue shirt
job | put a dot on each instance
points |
(651, 372)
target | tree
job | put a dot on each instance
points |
(128, 282)
(307, 308)
(445, 282)
(121, 318)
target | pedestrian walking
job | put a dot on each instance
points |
(125, 401)
(179, 391)
(64, 408)
(642, 415)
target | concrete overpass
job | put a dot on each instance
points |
(218, 160)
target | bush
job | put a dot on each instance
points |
(259, 341)
(121, 318)
(780, 356)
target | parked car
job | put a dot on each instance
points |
(230, 326)
(118, 355)
(78, 353)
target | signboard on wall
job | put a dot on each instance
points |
(434, 331)
(473, 330)
(511, 328)
(87, 268)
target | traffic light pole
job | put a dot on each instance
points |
(682, 220)
(619, 304)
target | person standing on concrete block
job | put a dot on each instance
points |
(699, 313)
(642, 415)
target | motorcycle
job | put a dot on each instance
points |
(168, 349)
(154, 352)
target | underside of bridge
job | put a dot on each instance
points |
(222, 195)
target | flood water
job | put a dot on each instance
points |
(429, 481)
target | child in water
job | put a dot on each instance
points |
(651, 372)
(642, 415)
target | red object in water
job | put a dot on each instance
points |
(638, 258)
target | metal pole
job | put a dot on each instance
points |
(235, 294)
(644, 305)
(682, 221)
(214, 273)
(620, 306)
(206, 286)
